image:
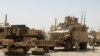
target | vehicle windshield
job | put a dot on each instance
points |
(62, 26)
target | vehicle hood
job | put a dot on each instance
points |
(60, 31)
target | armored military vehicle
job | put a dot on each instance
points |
(68, 32)
(93, 35)
(18, 38)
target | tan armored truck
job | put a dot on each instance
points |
(9, 36)
(18, 38)
(93, 35)
(68, 32)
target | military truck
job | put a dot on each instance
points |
(18, 38)
(95, 34)
(68, 32)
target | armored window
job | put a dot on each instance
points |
(1, 30)
(77, 28)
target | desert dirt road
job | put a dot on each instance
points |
(60, 52)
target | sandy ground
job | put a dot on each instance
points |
(60, 52)
(74, 52)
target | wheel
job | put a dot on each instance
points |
(97, 43)
(68, 45)
(83, 45)
(45, 48)
(51, 48)
(19, 51)
(37, 51)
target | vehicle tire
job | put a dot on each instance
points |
(51, 48)
(17, 52)
(68, 45)
(83, 45)
(97, 44)
(45, 48)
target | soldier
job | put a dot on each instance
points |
(93, 41)
(77, 42)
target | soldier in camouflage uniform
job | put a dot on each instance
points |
(93, 41)
(77, 42)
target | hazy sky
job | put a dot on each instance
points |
(42, 13)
